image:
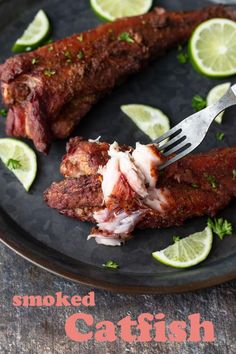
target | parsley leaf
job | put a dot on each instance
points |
(195, 185)
(176, 238)
(126, 37)
(80, 38)
(234, 174)
(49, 72)
(182, 56)
(80, 55)
(49, 41)
(198, 102)
(220, 227)
(211, 180)
(34, 61)
(111, 264)
(220, 136)
(3, 112)
(14, 164)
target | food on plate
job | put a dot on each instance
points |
(119, 188)
(37, 32)
(111, 10)
(50, 89)
(20, 159)
(212, 47)
(188, 251)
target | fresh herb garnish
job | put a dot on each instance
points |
(111, 264)
(182, 56)
(126, 37)
(80, 38)
(3, 112)
(49, 72)
(176, 238)
(198, 102)
(49, 41)
(67, 55)
(212, 181)
(80, 55)
(220, 136)
(220, 227)
(234, 174)
(35, 61)
(195, 185)
(14, 164)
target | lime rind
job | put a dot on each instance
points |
(226, 63)
(151, 121)
(188, 251)
(215, 94)
(15, 149)
(110, 10)
(35, 34)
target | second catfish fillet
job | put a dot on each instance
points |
(50, 89)
(189, 184)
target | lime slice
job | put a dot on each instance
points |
(152, 121)
(188, 251)
(20, 159)
(112, 9)
(215, 94)
(212, 47)
(34, 35)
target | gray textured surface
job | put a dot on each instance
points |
(41, 330)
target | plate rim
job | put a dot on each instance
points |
(49, 265)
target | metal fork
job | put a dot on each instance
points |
(189, 133)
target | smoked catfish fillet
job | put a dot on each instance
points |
(119, 187)
(50, 89)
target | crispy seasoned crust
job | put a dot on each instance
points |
(83, 157)
(73, 193)
(200, 184)
(48, 98)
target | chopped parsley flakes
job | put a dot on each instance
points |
(198, 102)
(14, 164)
(234, 174)
(80, 38)
(3, 112)
(111, 264)
(182, 55)
(34, 61)
(125, 37)
(220, 136)
(49, 72)
(212, 181)
(220, 227)
(80, 55)
(176, 238)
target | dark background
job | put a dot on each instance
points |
(41, 330)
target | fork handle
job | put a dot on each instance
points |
(229, 99)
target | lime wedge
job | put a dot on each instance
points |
(215, 94)
(112, 9)
(34, 35)
(20, 159)
(212, 47)
(152, 121)
(188, 251)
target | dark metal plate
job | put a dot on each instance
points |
(58, 243)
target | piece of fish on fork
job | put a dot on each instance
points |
(190, 132)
